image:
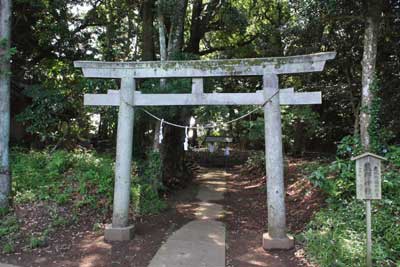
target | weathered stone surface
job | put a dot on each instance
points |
(209, 211)
(200, 242)
(270, 243)
(118, 233)
(124, 155)
(205, 68)
(7, 265)
(274, 159)
(286, 97)
(197, 86)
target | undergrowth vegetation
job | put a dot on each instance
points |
(75, 180)
(337, 234)
(255, 163)
(82, 178)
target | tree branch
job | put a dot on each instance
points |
(224, 48)
(86, 21)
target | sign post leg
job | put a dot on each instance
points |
(276, 238)
(369, 233)
(119, 230)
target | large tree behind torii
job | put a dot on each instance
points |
(206, 17)
(372, 21)
(5, 177)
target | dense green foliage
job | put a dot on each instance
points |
(82, 178)
(148, 185)
(256, 163)
(75, 182)
(49, 36)
(338, 231)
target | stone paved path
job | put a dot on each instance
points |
(7, 265)
(200, 243)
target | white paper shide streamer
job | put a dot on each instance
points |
(160, 136)
(186, 143)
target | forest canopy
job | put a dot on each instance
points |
(47, 90)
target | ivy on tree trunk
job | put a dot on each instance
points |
(368, 68)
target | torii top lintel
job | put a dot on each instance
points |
(206, 68)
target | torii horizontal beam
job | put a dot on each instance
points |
(206, 68)
(286, 97)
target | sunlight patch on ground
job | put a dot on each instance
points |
(89, 261)
(216, 239)
(249, 258)
(99, 243)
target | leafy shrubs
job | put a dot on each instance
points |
(82, 178)
(255, 163)
(337, 179)
(331, 242)
(62, 177)
(149, 185)
(53, 190)
(8, 248)
(336, 236)
(37, 242)
(56, 114)
(9, 226)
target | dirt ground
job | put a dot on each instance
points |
(246, 214)
(81, 245)
(246, 219)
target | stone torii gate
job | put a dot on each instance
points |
(127, 98)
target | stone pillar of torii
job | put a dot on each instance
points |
(127, 98)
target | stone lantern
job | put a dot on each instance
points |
(368, 176)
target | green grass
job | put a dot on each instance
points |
(37, 241)
(9, 227)
(82, 178)
(77, 180)
(9, 224)
(61, 177)
(336, 236)
(8, 248)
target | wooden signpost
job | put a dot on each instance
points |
(127, 98)
(368, 184)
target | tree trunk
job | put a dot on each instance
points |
(355, 106)
(148, 54)
(5, 177)
(162, 37)
(172, 153)
(175, 40)
(368, 68)
(163, 82)
(299, 142)
(175, 172)
(148, 42)
(202, 14)
(196, 31)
